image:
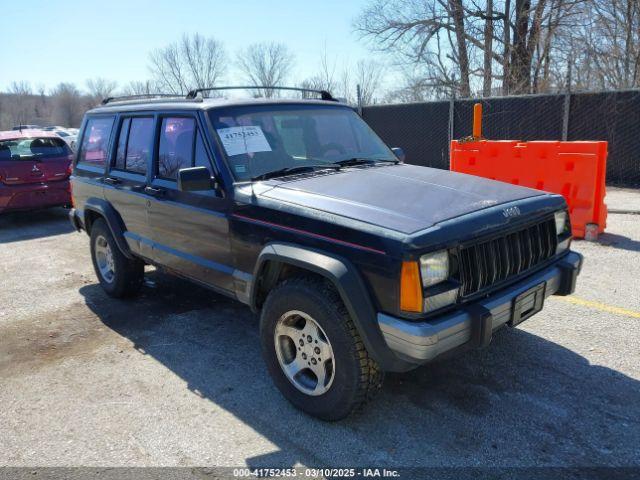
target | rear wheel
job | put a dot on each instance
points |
(313, 350)
(119, 276)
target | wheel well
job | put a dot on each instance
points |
(274, 272)
(89, 217)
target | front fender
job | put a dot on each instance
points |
(350, 286)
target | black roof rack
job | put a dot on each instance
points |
(139, 96)
(324, 95)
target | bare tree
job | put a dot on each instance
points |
(614, 45)
(100, 88)
(487, 74)
(453, 44)
(327, 75)
(369, 77)
(430, 34)
(137, 87)
(456, 11)
(506, 45)
(415, 84)
(22, 88)
(193, 62)
(265, 64)
(68, 105)
(21, 108)
(42, 105)
(22, 105)
(347, 90)
(343, 84)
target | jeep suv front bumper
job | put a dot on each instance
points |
(472, 325)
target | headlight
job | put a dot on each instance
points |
(434, 268)
(562, 231)
(561, 222)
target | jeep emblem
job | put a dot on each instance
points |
(511, 212)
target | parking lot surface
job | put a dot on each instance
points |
(175, 377)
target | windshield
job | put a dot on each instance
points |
(27, 148)
(258, 139)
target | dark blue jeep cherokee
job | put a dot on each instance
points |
(357, 262)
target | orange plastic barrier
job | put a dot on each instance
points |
(574, 169)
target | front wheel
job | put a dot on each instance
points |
(313, 350)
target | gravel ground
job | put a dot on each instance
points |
(175, 378)
(623, 199)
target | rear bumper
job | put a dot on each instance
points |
(473, 324)
(76, 220)
(34, 195)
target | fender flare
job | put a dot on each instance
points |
(350, 286)
(113, 219)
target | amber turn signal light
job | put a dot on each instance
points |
(410, 288)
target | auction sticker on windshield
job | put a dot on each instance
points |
(246, 139)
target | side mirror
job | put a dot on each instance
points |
(399, 153)
(194, 179)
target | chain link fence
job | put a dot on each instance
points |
(424, 130)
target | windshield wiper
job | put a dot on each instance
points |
(360, 161)
(293, 170)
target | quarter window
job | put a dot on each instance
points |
(95, 141)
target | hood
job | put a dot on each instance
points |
(405, 198)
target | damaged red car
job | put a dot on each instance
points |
(34, 170)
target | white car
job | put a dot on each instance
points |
(69, 138)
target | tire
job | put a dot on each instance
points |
(124, 276)
(352, 378)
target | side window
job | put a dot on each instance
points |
(95, 141)
(134, 144)
(175, 150)
(201, 157)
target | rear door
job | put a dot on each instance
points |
(126, 179)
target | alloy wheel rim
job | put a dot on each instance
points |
(104, 259)
(304, 353)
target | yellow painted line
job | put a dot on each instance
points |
(603, 307)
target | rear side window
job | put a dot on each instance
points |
(30, 148)
(95, 141)
(134, 144)
(175, 150)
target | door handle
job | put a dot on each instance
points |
(156, 192)
(112, 181)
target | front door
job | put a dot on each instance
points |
(189, 230)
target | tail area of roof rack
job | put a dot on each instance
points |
(142, 97)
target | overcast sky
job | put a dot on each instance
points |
(73, 40)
